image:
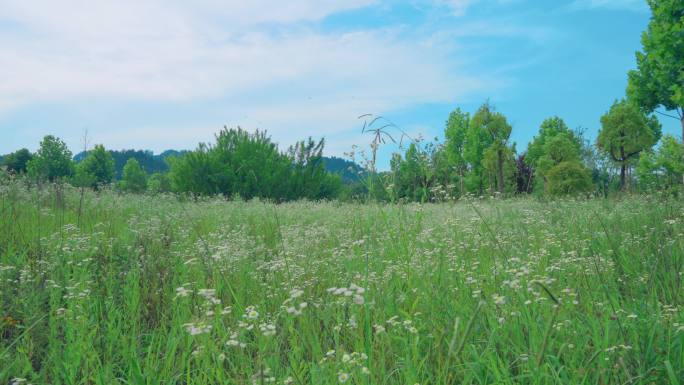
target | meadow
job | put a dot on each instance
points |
(108, 288)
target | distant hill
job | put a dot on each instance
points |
(350, 171)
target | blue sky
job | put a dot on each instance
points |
(168, 74)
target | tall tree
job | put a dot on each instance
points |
(549, 128)
(97, 168)
(17, 161)
(488, 131)
(625, 132)
(309, 178)
(134, 178)
(659, 79)
(662, 168)
(52, 160)
(455, 139)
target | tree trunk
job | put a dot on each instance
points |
(623, 170)
(500, 171)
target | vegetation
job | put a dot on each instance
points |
(52, 161)
(134, 178)
(97, 169)
(17, 162)
(241, 263)
(658, 81)
(156, 290)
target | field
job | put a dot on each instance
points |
(153, 290)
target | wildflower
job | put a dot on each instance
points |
(359, 300)
(267, 329)
(499, 299)
(342, 377)
(296, 293)
(251, 313)
(183, 292)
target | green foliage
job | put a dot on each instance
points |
(149, 162)
(568, 177)
(488, 131)
(411, 174)
(17, 162)
(659, 80)
(554, 144)
(96, 169)
(52, 161)
(134, 178)
(249, 165)
(159, 183)
(309, 178)
(625, 132)
(457, 128)
(663, 168)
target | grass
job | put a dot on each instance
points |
(153, 290)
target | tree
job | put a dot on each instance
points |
(568, 178)
(96, 169)
(625, 132)
(309, 178)
(662, 168)
(240, 163)
(134, 178)
(455, 139)
(670, 160)
(659, 79)
(17, 162)
(488, 130)
(159, 183)
(52, 161)
(554, 144)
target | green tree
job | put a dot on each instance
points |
(309, 178)
(159, 183)
(670, 160)
(134, 178)
(625, 132)
(240, 163)
(455, 139)
(412, 175)
(647, 171)
(488, 130)
(662, 168)
(549, 128)
(52, 161)
(17, 162)
(96, 169)
(568, 178)
(659, 77)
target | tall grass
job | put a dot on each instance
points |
(153, 290)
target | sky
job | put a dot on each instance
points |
(157, 75)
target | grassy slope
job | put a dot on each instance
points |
(445, 294)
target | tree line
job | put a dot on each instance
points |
(476, 158)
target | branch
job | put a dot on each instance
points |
(670, 116)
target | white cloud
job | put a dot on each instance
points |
(264, 58)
